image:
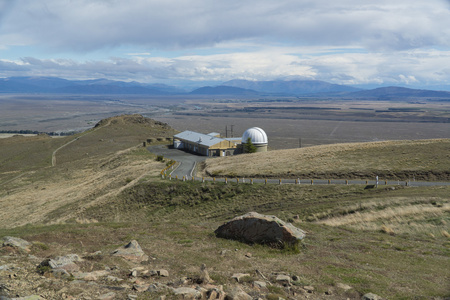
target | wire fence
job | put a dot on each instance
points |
(165, 174)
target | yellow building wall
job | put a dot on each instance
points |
(214, 150)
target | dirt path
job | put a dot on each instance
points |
(77, 138)
(142, 170)
(61, 198)
(12, 179)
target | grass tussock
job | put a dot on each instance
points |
(387, 229)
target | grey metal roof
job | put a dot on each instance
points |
(199, 138)
(234, 139)
(214, 133)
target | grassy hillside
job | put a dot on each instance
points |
(105, 190)
(398, 160)
(92, 166)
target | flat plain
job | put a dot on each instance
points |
(288, 122)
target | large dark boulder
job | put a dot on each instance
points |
(261, 229)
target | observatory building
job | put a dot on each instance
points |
(213, 145)
(258, 138)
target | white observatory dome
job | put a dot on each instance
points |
(257, 135)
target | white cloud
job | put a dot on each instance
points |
(407, 79)
(85, 25)
(139, 54)
(405, 68)
(348, 41)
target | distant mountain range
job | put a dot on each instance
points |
(396, 92)
(244, 88)
(55, 85)
(224, 90)
(294, 87)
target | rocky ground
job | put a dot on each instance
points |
(85, 276)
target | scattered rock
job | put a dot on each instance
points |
(108, 296)
(283, 279)
(4, 290)
(139, 269)
(236, 293)
(343, 286)
(4, 268)
(239, 276)
(66, 262)
(157, 287)
(163, 273)
(187, 293)
(113, 279)
(204, 275)
(32, 297)
(259, 285)
(60, 273)
(215, 292)
(90, 276)
(17, 243)
(141, 287)
(309, 289)
(212, 294)
(370, 296)
(248, 255)
(260, 274)
(132, 251)
(256, 228)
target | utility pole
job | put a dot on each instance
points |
(226, 131)
(231, 130)
(300, 142)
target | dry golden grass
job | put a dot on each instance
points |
(387, 230)
(416, 215)
(421, 159)
(65, 194)
(96, 166)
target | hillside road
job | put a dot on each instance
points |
(187, 160)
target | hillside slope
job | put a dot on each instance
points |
(89, 167)
(398, 160)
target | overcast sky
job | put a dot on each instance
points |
(355, 42)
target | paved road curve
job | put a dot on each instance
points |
(187, 160)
